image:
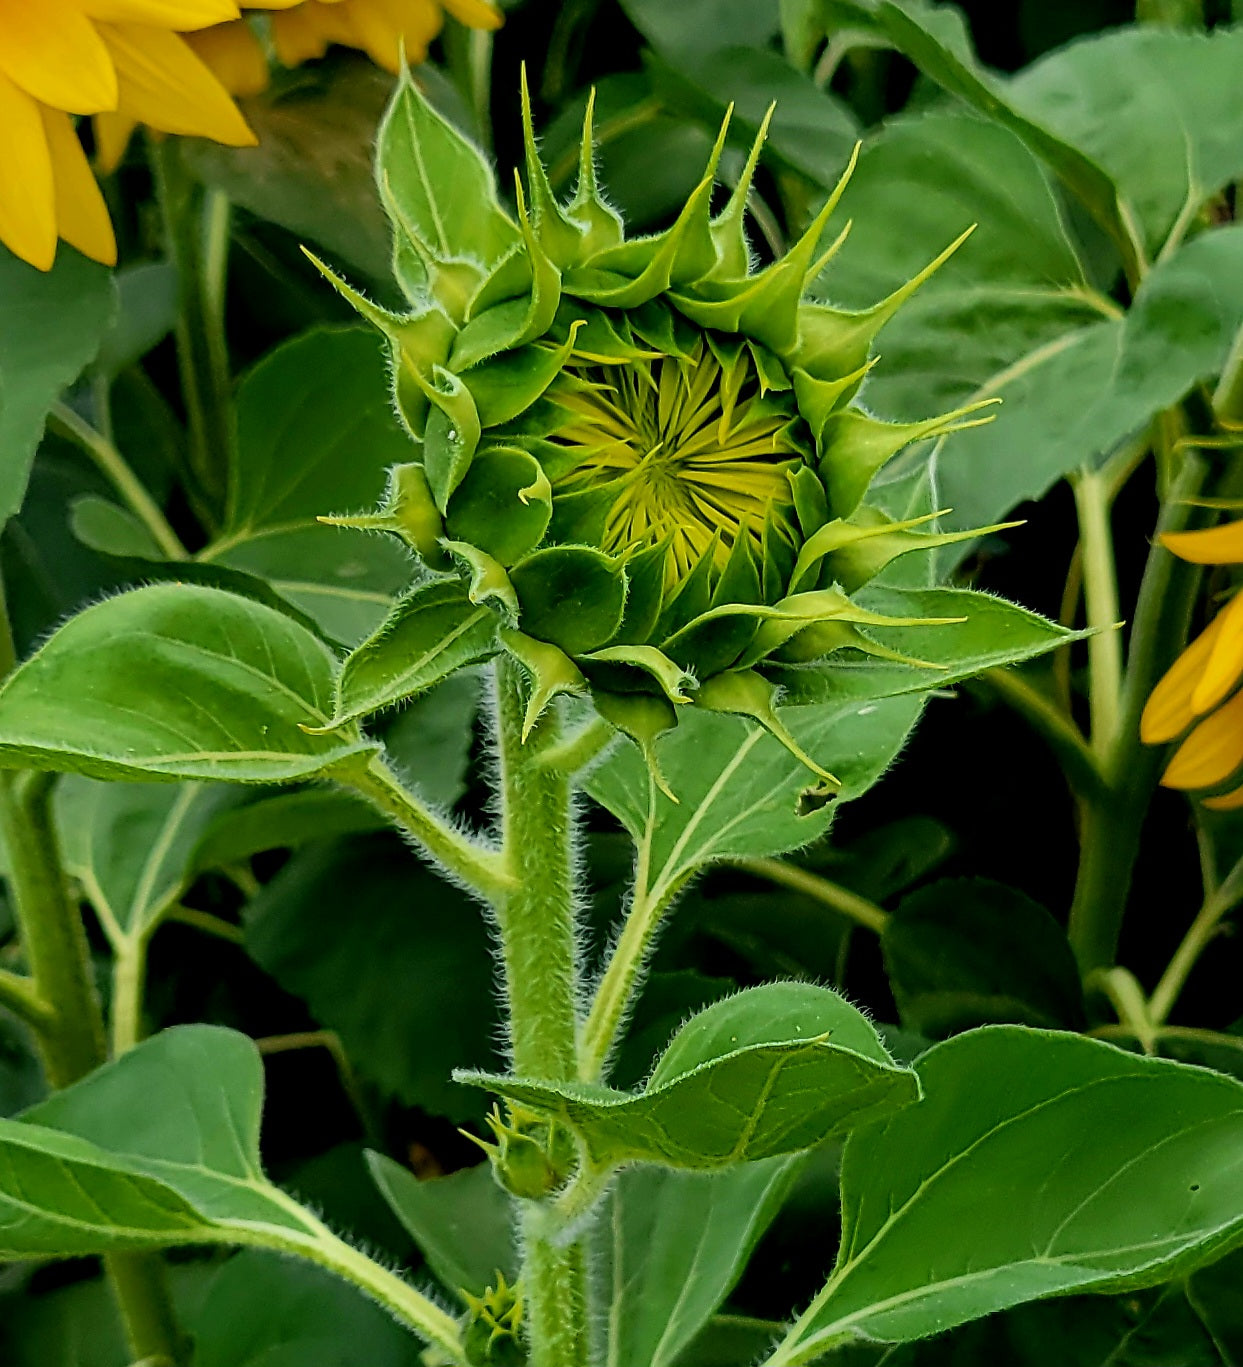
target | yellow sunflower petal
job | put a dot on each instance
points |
(303, 34)
(164, 85)
(1212, 752)
(1169, 712)
(1227, 802)
(112, 135)
(235, 56)
(1214, 546)
(181, 15)
(81, 214)
(387, 28)
(475, 13)
(54, 54)
(27, 190)
(1224, 666)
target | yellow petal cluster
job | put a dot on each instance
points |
(1199, 700)
(60, 58)
(170, 64)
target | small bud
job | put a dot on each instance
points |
(491, 1332)
(532, 1156)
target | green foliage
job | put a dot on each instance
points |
(653, 517)
(50, 327)
(176, 681)
(770, 1071)
(1094, 1139)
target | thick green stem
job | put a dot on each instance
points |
(71, 1039)
(1100, 593)
(539, 944)
(1112, 823)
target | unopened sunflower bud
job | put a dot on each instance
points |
(642, 453)
(491, 1334)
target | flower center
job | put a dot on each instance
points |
(688, 452)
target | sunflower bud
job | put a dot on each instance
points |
(642, 455)
(492, 1332)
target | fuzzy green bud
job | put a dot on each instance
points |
(643, 455)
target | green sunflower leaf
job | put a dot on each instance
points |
(97, 1168)
(432, 632)
(1038, 1164)
(177, 681)
(437, 185)
(796, 1062)
(51, 325)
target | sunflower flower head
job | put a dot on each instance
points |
(641, 454)
(1198, 702)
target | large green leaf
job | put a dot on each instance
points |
(1070, 403)
(1156, 107)
(770, 1071)
(98, 1167)
(410, 995)
(738, 790)
(51, 324)
(1037, 1164)
(176, 681)
(133, 846)
(921, 181)
(967, 951)
(994, 633)
(463, 1224)
(316, 435)
(264, 1311)
(676, 1242)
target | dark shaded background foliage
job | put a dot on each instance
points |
(977, 799)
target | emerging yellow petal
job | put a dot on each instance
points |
(1224, 666)
(1212, 752)
(81, 214)
(1214, 546)
(1169, 711)
(27, 189)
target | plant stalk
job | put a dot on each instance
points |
(1100, 593)
(196, 230)
(539, 944)
(71, 1040)
(1112, 823)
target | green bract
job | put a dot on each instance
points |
(639, 456)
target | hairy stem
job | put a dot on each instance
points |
(482, 869)
(539, 946)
